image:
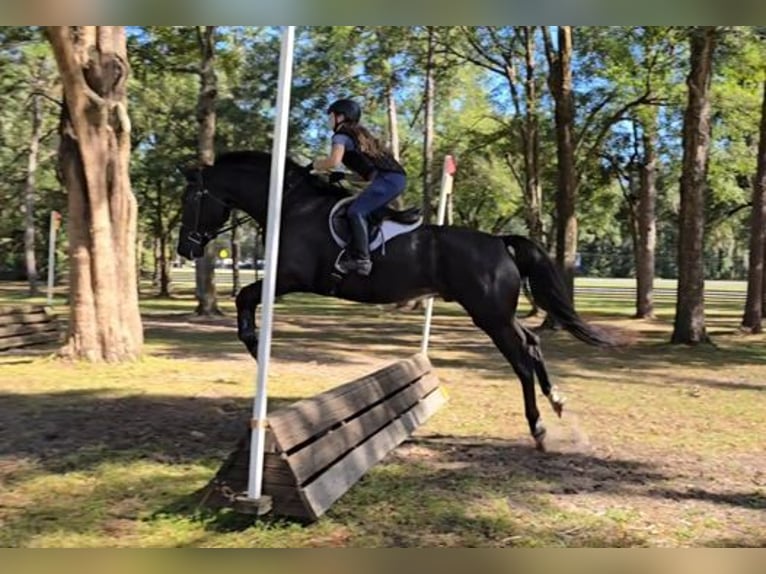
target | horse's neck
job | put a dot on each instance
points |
(254, 199)
(254, 202)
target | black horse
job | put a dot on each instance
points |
(482, 272)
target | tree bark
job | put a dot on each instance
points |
(531, 141)
(207, 300)
(646, 220)
(689, 325)
(30, 191)
(560, 79)
(763, 298)
(164, 265)
(756, 282)
(393, 133)
(393, 124)
(94, 154)
(428, 128)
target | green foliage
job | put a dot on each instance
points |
(27, 72)
(622, 75)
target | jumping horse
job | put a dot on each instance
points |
(481, 272)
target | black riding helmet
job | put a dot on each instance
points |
(351, 111)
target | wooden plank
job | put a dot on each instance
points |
(26, 308)
(28, 340)
(309, 417)
(321, 493)
(233, 476)
(308, 461)
(25, 318)
(399, 373)
(237, 465)
(286, 501)
(289, 501)
(30, 329)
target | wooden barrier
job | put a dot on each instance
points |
(27, 325)
(317, 448)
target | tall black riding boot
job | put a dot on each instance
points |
(360, 244)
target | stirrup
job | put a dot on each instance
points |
(345, 264)
(339, 269)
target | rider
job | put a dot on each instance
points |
(362, 153)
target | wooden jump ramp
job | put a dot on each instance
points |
(27, 325)
(317, 448)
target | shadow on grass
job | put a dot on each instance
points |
(408, 500)
(405, 502)
(78, 430)
(754, 499)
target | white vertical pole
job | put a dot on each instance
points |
(52, 255)
(448, 170)
(279, 153)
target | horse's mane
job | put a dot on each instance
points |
(254, 157)
(250, 157)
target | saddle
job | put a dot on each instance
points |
(384, 223)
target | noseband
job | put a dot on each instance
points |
(199, 236)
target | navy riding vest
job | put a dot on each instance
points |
(365, 164)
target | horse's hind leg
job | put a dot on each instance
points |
(511, 342)
(536, 352)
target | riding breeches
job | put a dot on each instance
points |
(384, 188)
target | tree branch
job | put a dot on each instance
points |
(490, 64)
(514, 171)
(617, 116)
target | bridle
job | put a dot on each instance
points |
(199, 236)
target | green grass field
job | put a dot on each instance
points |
(659, 445)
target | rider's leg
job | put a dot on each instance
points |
(384, 188)
(360, 243)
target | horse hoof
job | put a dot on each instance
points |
(539, 436)
(557, 403)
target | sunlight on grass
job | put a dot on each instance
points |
(659, 445)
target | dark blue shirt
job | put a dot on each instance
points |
(344, 140)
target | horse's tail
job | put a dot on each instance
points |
(549, 290)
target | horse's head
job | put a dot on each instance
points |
(203, 213)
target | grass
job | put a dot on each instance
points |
(659, 446)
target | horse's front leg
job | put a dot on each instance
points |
(248, 299)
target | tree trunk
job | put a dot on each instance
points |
(94, 154)
(531, 142)
(756, 285)
(164, 266)
(235, 282)
(428, 129)
(560, 62)
(393, 133)
(207, 300)
(30, 190)
(647, 224)
(689, 325)
(763, 298)
(393, 124)
(156, 258)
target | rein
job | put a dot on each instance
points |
(202, 237)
